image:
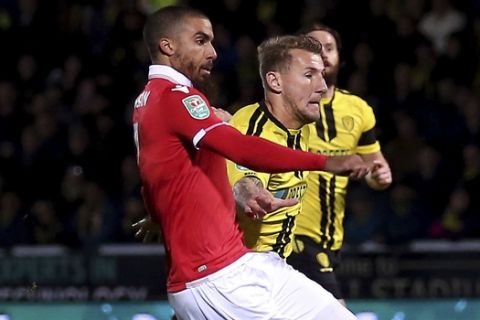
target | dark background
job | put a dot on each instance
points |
(70, 71)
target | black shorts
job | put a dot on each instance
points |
(316, 263)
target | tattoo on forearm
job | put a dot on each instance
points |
(245, 188)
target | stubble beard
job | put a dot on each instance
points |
(205, 84)
(311, 117)
(208, 87)
(331, 76)
(303, 117)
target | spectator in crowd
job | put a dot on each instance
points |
(13, 229)
(45, 227)
(364, 222)
(404, 214)
(440, 22)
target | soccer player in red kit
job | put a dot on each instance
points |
(182, 148)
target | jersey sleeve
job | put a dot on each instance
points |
(237, 171)
(259, 154)
(190, 114)
(368, 142)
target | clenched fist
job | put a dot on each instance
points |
(352, 166)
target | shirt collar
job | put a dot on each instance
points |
(167, 72)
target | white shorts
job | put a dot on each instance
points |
(259, 285)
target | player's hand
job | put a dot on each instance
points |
(146, 230)
(222, 114)
(264, 202)
(352, 166)
(380, 173)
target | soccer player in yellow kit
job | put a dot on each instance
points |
(274, 231)
(346, 126)
(292, 74)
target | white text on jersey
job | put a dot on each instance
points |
(141, 100)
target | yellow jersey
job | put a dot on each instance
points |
(274, 231)
(346, 127)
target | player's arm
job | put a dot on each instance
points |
(192, 121)
(255, 200)
(265, 156)
(379, 176)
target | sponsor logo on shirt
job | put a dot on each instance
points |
(196, 107)
(295, 192)
(180, 88)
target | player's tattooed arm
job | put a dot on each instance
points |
(245, 188)
(255, 200)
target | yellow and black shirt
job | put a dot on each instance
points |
(346, 127)
(274, 231)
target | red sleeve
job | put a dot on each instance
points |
(190, 113)
(259, 154)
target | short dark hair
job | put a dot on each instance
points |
(164, 23)
(274, 53)
(316, 26)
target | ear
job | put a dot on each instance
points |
(166, 46)
(274, 81)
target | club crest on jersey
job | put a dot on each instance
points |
(196, 106)
(348, 123)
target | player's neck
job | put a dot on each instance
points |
(283, 115)
(330, 92)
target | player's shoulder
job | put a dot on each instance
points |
(344, 95)
(172, 94)
(180, 92)
(246, 111)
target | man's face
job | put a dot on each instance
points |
(303, 85)
(194, 53)
(330, 54)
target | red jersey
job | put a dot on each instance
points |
(186, 189)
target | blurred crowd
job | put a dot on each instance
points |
(70, 71)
